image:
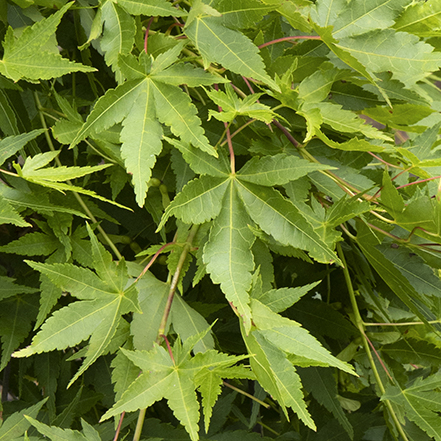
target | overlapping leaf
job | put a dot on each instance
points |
(149, 98)
(24, 59)
(104, 297)
(176, 376)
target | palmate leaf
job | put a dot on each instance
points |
(104, 298)
(421, 403)
(230, 48)
(174, 376)
(24, 59)
(149, 98)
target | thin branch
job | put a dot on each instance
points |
(293, 38)
(262, 403)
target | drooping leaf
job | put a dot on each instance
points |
(12, 144)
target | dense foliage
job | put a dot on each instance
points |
(220, 220)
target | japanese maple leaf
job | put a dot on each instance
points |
(105, 295)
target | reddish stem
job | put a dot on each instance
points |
(379, 358)
(147, 33)
(288, 135)
(419, 182)
(280, 40)
(168, 348)
(153, 260)
(118, 429)
(383, 161)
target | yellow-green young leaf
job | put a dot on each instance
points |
(24, 59)
(8, 215)
(277, 170)
(228, 256)
(153, 8)
(230, 48)
(421, 18)
(390, 197)
(233, 106)
(421, 403)
(32, 169)
(16, 425)
(12, 144)
(199, 201)
(281, 219)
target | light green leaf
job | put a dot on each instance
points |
(280, 218)
(141, 142)
(283, 298)
(32, 169)
(228, 256)
(390, 197)
(16, 425)
(8, 215)
(24, 59)
(187, 322)
(56, 433)
(186, 74)
(231, 49)
(233, 106)
(241, 14)
(175, 109)
(421, 403)
(153, 8)
(12, 144)
(290, 337)
(174, 377)
(421, 18)
(98, 315)
(277, 170)
(277, 376)
(118, 34)
(363, 17)
(199, 201)
(201, 162)
(409, 59)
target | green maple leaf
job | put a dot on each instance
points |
(104, 297)
(151, 96)
(232, 106)
(24, 59)
(236, 201)
(176, 376)
(228, 47)
(421, 403)
(33, 171)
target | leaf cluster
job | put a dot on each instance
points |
(220, 220)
